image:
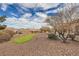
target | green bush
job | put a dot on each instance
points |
(52, 36)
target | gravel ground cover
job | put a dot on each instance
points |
(40, 45)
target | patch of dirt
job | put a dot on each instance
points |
(40, 46)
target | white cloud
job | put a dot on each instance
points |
(40, 14)
(18, 21)
(13, 14)
(44, 5)
(23, 23)
(48, 5)
(54, 11)
(29, 4)
(26, 15)
(4, 7)
(42, 17)
(23, 20)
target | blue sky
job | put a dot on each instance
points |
(28, 15)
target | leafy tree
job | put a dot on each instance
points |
(2, 19)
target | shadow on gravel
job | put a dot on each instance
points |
(75, 41)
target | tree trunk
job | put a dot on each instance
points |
(61, 35)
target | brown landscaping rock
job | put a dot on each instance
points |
(10, 32)
(5, 37)
(6, 34)
(77, 38)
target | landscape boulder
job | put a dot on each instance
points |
(5, 37)
(10, 32)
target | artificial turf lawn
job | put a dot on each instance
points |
(23, 39)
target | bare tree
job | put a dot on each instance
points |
(62, 22)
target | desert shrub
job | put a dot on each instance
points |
(4, 36)
(52, 36)
(2, 27)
